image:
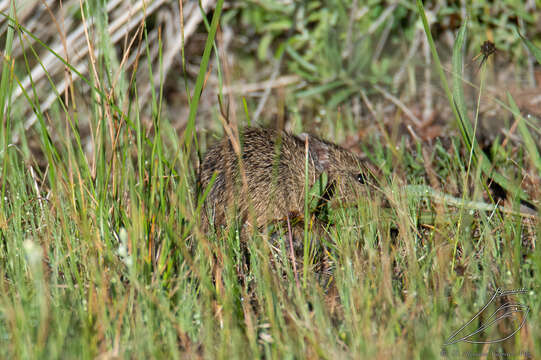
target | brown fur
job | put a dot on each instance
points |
(272, 187)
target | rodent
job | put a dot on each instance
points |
(273, 185)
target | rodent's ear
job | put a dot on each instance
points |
(318, 151)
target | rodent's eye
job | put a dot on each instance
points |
(360, 178)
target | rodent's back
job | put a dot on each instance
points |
(273, 163)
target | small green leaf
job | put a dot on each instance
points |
(262, 49)
(533, 49)
(320, 89)
(299, 59)
(316, 191)
(340, 96)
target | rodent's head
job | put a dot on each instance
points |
(346, 173)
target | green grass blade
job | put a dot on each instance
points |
(190, 127)
(320, 89)
(460, 116)
(463, 122)
(6, 84)
(306, 220)
(533, 49)
(531, 146)
(436, 57)
(302, 62)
